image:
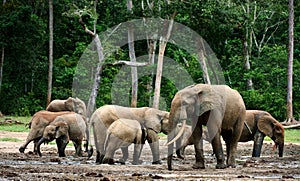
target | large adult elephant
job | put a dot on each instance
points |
(261, 124)
(220, 108)
(150, 118)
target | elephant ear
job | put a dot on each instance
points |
(69, 104)
(208, 98)
(265, 126)
(153, 119)
(61, 129)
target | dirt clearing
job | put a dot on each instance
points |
(17, 166)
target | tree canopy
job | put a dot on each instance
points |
(225, 25)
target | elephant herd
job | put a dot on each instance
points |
(218, 107)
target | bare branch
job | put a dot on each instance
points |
(132, 64)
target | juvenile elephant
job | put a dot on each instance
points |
(220, 108)
(261, 124)
(64, 128)
(150, 118)
(70, 104)
(121, 134)
(37, 125)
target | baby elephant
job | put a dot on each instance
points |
(121, 134)
(64, 128)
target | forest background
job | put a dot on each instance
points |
(236, 31)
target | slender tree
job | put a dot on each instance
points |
(134, 76)
(162, 46)
(50, 71)
(289, 105)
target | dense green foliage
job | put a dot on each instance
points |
(223, 24)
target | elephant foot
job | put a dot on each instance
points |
(62, 155)
(21, 150)
(137, 162)
(90, 152)
(198, 165)
(231, 166)
(157, 162)
(221, 166)
(122, 161)
(99, 158)
(109, 161)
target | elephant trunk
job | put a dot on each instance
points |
(42, 140)
(173, 120)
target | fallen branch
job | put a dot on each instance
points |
(292, 126)
(133, 64)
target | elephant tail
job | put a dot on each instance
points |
(144, 134)
(107, 140)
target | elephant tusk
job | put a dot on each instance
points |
(248, 127)
(179, 133)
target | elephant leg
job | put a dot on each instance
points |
(61, 146)
(137, 153)
(258, 142)
(28, 140)
(99, 139)
(78, 149)
(35, 142)
(198, 146)
(153, 141)
(125, 155)
(109, 155)
(218, 150)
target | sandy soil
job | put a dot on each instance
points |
(17, 166)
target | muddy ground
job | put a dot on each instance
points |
(17, 166)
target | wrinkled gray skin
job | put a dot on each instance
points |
(121, 134)
(70, 104)
(220, 108)
(37, 125)
(261, 124)
(150, 118)
(64, 128)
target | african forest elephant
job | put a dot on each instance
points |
(70, 104)
(121, 134)
(64, 128)
(220, 108)
(261, 124)
(150, 118)
(37, 125)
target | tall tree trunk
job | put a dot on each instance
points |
(2, 60)
(1, 66)
(247, 44)
(94, 93)
(50, 71)
(162, 46)
(289, 104)
(97, 77)
(151, 52)
(201, 55)
(134, 76)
